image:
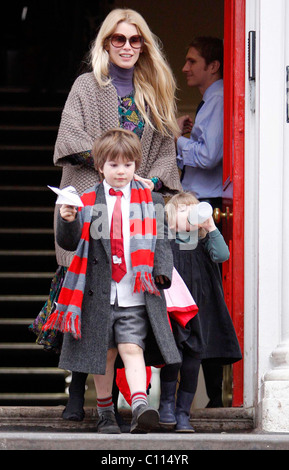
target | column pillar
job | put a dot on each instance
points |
(274, 410)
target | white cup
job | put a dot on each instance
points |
(205, 211)
(199, 213)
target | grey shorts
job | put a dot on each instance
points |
(128, 325)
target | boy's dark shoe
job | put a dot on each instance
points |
(107, 423)
(144, 419)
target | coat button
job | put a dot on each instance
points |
(95, 261)
(90, 292)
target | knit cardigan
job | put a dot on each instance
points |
(90, 110)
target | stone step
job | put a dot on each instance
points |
(26, 355)
(21, 306)
(32, 399)
(40, 115)
(130, 450)
(25, 260)
(204, 420)
(42, 428)
(28, 128)
(11, 329)
(30, 155)
(30, 176)
(27, 239)
(22, 96)
(20, 283)
(14, 329)
(10, 195)
(28, 135)
(22, 382)
(26, 217)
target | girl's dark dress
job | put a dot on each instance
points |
(210, 334)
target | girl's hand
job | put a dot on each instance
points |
(68, 213)
(161, 279)
(147, 182)
(209, 224)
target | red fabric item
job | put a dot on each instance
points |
(67, 315)
(183, 316)
(122, 384)
(181, 306)
(118, 265)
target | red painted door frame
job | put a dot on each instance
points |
(233, 173)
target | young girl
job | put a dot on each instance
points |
(111, 300)
(197, 250)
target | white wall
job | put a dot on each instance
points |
(270, 176)
(251, 211)
(267, 223)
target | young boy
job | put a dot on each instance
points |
(112, 301)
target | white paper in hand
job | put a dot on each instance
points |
(67, 195)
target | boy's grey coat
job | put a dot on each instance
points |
(88, 354)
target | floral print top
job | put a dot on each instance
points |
(129, 116)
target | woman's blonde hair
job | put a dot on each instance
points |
(115, 143)
(153, 79)
(182, 198)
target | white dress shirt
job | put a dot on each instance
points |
(123, 290)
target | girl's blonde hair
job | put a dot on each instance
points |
(115, 143)
(182, 198)
(154, 82)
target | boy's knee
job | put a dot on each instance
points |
(130, 349)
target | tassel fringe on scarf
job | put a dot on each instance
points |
(66, 316)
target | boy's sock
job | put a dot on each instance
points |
(106, 419)
(104, 404)
(138, 398)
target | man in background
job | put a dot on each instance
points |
(200, 157)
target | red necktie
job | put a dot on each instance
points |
(116, 239)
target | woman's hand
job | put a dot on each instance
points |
(68, 213)
(147, 182)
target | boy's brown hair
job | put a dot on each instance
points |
(115, 143)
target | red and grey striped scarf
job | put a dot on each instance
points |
(143, 233)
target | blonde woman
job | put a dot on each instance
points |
(130, 86)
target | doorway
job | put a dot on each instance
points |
(224, 19)
(233, 175)
(77, 26)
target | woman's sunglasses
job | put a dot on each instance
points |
(119, 40)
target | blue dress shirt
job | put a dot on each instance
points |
(201, 156)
